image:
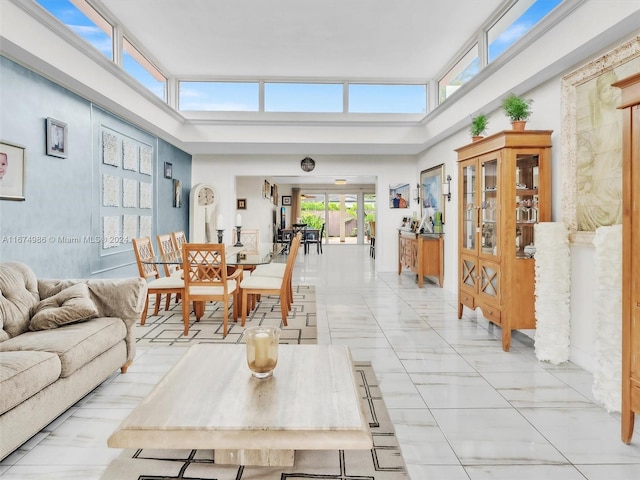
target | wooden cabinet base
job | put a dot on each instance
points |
(422, 254)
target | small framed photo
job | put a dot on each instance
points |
(12, 171)
(57, 143)
(168, 170)
(286, 200)
(241, 203)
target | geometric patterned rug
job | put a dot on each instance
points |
(166, 328)
(383, 462)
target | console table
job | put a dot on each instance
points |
(423, 254)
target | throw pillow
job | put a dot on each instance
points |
(73, 304)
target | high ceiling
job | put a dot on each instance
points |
(392, 41)
(374, 40)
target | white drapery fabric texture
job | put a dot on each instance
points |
(552, 292)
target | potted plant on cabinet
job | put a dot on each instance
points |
(518, 110)
(478, 127)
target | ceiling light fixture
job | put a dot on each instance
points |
(341, 181)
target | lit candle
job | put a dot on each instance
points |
(220, 220)
(261, 342)
(238, 220)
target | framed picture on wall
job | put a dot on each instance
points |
(168, 170)
(286, 200)
(12, 170)
(241, 204)
(431, 181)
(399, 195)
(56, 138)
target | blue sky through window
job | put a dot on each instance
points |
(77, 21)
(298, 97)
(220, 96)
(520, 26)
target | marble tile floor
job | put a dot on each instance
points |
(463, 409)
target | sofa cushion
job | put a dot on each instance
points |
(23, 374)
(75, 344)
(18, 294)
(71, 305)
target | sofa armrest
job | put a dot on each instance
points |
(121, 298)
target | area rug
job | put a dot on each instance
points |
(166, 328)
(383, 462)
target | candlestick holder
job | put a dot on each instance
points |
(238, 243)
(220, 232)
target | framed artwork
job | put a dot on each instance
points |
(431, 200)
(286, 200)
(57, 143)
(399, 195)
(592, 142)
(241, 203)
(177, 193)
(168, 170)
(266, 193)
(12, 171)
(275, 195)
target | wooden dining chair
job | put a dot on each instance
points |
(249, 238)
(156, 285)
(178, 239)
(205, 279)
(167, 249)
(256, 285)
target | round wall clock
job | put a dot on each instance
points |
(307, 164)
(203, 203)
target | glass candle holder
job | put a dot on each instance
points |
(262, 350)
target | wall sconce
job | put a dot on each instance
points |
(416, 193)
(446, 188)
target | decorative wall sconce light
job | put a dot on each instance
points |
(416, 194)
(446, 188)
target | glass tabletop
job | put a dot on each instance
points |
(235, 256)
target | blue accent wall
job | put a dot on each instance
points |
(54, 229)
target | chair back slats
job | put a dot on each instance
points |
(250, 239)
(144, 253)
(178, 239)
(167, 249)
(204, 264)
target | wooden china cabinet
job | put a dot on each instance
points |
(504, 187)
(630, 254)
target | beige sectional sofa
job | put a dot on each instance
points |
(59, 339)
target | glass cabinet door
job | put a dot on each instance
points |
(526, 204)
(489, 207)
(469, 224)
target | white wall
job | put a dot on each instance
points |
(222, 172)
(259, 211)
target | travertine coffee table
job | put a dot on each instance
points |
(209, 400)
